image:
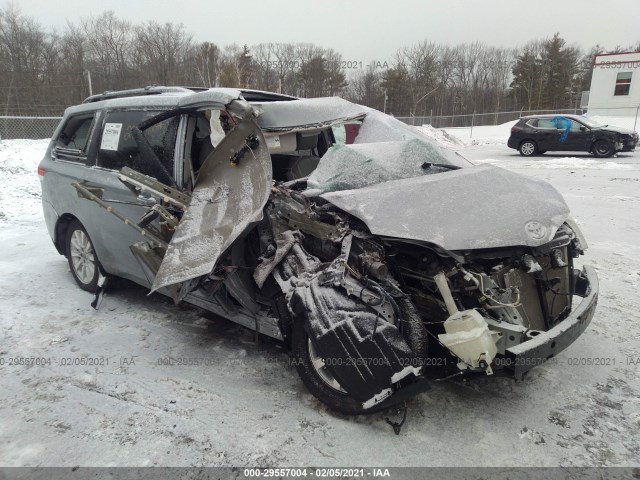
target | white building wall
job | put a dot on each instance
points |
(602, 100)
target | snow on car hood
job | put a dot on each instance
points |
(477, 207)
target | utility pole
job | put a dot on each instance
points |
(89, 80)
(384, 108)
(415, 106)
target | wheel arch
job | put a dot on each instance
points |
(61, 231)
(610, 141)
(60, 241)
(528, 139)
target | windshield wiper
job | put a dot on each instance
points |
(427, 165)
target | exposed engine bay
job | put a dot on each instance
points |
(382, 310)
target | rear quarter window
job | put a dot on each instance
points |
(73, 140)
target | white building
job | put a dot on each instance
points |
(615, 85)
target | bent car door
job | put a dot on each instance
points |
(231, 189)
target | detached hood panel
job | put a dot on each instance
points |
(471, 208)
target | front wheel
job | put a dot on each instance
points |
(527, 148)
(317, 377)
(602, 149)
(82, 257)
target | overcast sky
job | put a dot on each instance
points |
(372, 29)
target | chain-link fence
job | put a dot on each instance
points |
(33, 128)
(36, 127)
(498, 118)
(474, 119)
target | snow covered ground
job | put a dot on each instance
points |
(242, 404)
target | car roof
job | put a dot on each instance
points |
(553, 115)
(276, 112)
(162, 96)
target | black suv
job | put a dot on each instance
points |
(537, 134)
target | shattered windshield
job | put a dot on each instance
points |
(378, 149)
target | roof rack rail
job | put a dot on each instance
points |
(136, 92)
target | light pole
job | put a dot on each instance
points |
(415, 106)
(89, 80)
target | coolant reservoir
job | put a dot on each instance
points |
(469, 338)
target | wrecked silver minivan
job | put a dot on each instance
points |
(382, 260)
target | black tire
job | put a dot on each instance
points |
(602, 149)
(337, 400)
(82, 257)
(528, 148)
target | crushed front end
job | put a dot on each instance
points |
(384, 316)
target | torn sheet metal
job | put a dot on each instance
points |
(307, 113)
(225, 200)
(478, 207)
(213, 98)
(284, 242)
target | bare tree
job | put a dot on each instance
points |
(161, 51)
(110, 43)
(286, 65)
(205, 58)
(365, 87)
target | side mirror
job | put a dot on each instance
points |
(583, 128)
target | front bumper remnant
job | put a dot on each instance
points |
(527, 355)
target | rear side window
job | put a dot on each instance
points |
(546, 123)
(118, 147)
(73, 140)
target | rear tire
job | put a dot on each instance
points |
(82, 257)
(528, 148)
(602, 149)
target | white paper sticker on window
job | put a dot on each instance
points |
(111, 136)
(273, 142)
